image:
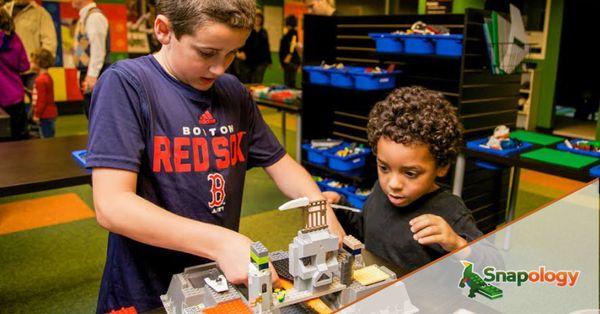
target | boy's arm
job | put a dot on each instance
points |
(120, 210)
(431, 229)
(295, 182)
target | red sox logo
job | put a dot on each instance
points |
(217, 189)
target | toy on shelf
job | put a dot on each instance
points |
(420, 28)
(500, 140)
(324, 143)
(580, 146)
(351, 150)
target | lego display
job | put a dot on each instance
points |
(316, 268)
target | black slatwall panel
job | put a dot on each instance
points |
(483, 100)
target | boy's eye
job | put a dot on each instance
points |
(207, 54)
(383, 168)
(411, 174)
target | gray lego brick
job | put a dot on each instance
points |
(259, 249)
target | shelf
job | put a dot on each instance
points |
(356, 176)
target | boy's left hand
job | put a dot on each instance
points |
(431, 229)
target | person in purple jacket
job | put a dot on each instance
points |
(171, 138)
(13, 61)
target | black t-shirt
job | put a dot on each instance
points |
(385, 231)
(191, 150)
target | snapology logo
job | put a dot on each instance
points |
(483, 286)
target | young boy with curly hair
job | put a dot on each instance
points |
(409, 219)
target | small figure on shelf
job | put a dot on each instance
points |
(501, 139)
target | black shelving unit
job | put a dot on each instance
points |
(483, 100)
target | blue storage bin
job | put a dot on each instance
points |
(418, 44)
(374, 81)
(474, 145)
(387, 42)
(564, 147)
(324, 186)
(317, 156)
(355, 200)
(80, 158)
(346, 163)
(343, 77)
(317, 75)
(448, 45)
(595, 171)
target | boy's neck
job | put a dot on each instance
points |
(43, 70)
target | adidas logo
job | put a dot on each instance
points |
(207, 118)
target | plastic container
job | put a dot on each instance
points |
(356, 200)
(317, 75)
(448, 45)
(595, 171)
(347, 163)
(418, 44)
(324, 185)
(317, 156)
(80, 158)
(387, 43)
(374, 81)
(474, 145)
(343, 78)
(564, 147)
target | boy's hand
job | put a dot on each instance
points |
(332, 197)
(431, 229)
(36, 120)
(234, 259)
(88, 84)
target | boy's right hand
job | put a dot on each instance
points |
(331, 197)
(233, 258)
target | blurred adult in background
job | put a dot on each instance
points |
(255, 56)
(35, 27)
(13, 61)
(92, 47)
(321, 7)
(289, 58)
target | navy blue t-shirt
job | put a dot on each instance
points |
(191, 150)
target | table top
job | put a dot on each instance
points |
(291, 108)
(561, 237)
(41, 164)
(517, 160)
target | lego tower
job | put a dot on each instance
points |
(259, 279)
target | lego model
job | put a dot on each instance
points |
(477, 285)
(500, 140)
(321, 273)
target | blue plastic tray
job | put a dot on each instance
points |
(595, 171)
(80, 157)
(448, 45)
(418, 44)
(474, 145)
(317, 156)
(563, 146)
(346, 163)
(357, 201)
(325, 187)
(343, 78)
(387, 42)
(374, 81)
(317, 75)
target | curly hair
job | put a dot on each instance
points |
(416, 115)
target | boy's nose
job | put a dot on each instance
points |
(395, 184)
(217, 69)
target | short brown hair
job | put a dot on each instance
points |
(416, 115)
(6, 22)
(43, 58)
(187, 15)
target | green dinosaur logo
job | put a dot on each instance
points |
(476, 284)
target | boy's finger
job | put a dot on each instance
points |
(425, 232)
(419, 218)
(420, 224)
(433, 239)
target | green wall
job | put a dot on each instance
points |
(547, 69)
(458, 6)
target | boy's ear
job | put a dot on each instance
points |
(443, 171)
(162, 29)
